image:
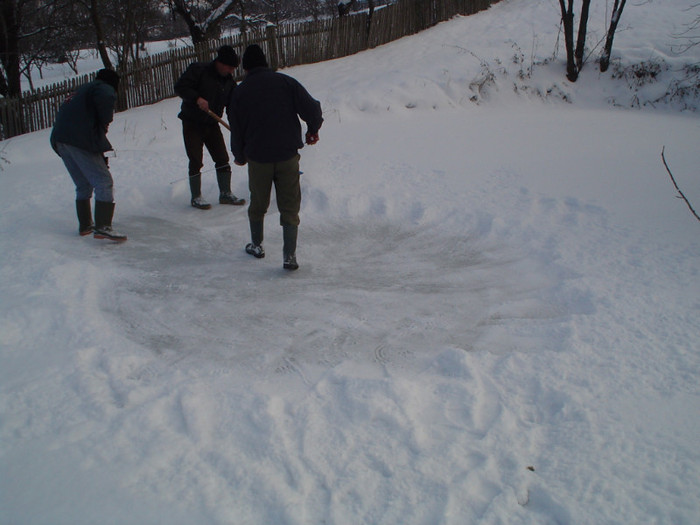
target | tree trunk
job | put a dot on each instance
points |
(11, 85)
(614, 20)
(582, 29)
(344, 7)
(196, 32)
(99, 33)
(567, 17)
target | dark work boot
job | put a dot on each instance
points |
(84, 210)
(199, 202)
(289, 235)
(103, 222)
(223, 177)
(230, 198)
(255, 247)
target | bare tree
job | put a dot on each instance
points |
(614, 20)
(94, 10)
(30, 37)
(582, 30)
(310, 7)
(129, 22)
(203, 21)
(10, 84)
(331, 7)
(277, 10)
(691, 34)
(574, 56)
(120, 26)
(247, 15)
(344, 7)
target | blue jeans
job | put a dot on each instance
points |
(89, 172)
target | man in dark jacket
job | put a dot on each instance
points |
(79, 136)
(205, 90)
(266, 133)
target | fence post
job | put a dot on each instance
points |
(272, 51)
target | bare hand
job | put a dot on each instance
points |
(311, 138)
(203, 104)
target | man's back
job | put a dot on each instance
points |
(82, 120)
(264, 114)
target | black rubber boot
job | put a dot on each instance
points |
(256, 232)
(103, 222)
(223, 177)
(84, 211)
(289, 235)
(196, 190)
(196, 185)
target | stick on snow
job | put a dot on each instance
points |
(676, 185)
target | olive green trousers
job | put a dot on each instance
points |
(285, 176)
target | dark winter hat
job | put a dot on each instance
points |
(253, 57)
(109, 76)
(226, 55)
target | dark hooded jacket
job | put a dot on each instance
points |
(84, 117)
(203, 80)
(264, 116)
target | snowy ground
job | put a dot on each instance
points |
(495, 320)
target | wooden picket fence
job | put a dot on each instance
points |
(152, 79)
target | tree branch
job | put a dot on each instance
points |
(676, 185)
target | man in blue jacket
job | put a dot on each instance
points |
(79, 136)
(205, 89)
(264, 115)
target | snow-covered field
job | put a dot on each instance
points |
(496, 319)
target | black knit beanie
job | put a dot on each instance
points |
(254, 57)
(226, 55)
(108, 76)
